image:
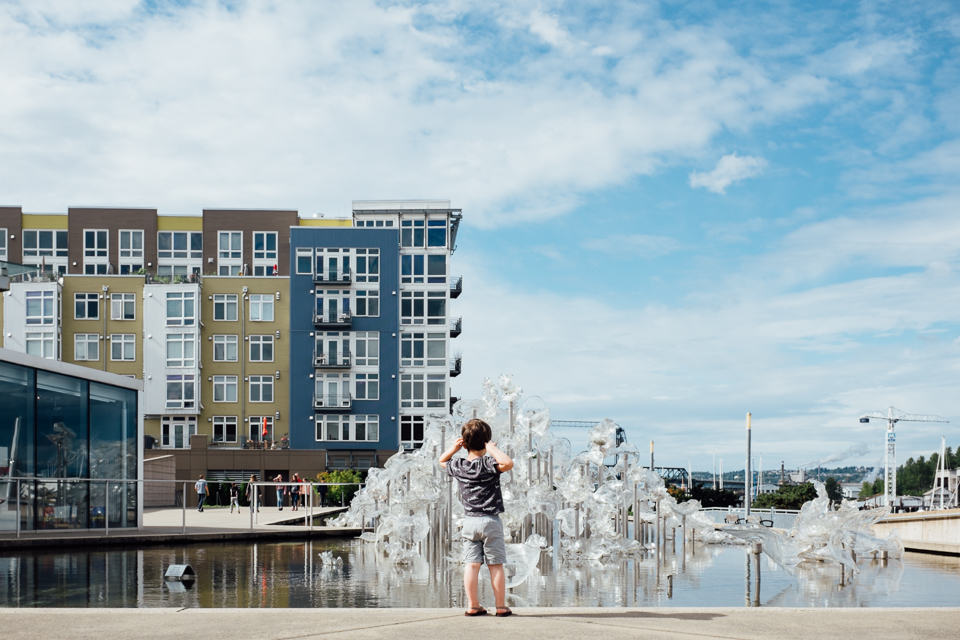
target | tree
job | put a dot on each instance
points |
(787, 497)
(866, 491)
(834, 490)
(714, 497)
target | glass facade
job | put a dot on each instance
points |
(72, 443)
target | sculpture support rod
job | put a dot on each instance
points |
(748, 473)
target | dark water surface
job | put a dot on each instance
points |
(291, 574)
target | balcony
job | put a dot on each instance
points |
(453, 400)
(152, 278)
(332, 403)
(340, 320)
(455, 327)
(334, 277)
(325, 361)
(455, 366)
(456, 286)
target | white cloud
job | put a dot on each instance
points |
(730, 169)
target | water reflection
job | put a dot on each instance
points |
(292, 575)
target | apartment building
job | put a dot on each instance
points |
(265, 340)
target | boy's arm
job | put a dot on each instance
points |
(445, 458)
(504, 462)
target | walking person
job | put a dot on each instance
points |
(280, 490)
(234, 497)
(201, 489)
(295, 492)
(253, 494)
(478, 475)
(303, 492)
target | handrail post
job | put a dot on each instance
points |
(253, 502)
(18, 508)
(106, 508)
(183, 503)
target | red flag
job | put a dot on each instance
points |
(264, 426)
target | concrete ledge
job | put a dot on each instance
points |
(170, 538)
(923, 546)
(527, 623)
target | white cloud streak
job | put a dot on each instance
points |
(730, 169)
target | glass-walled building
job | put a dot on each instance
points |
(70, 446)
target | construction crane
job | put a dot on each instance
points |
(893, 416)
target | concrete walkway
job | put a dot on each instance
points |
(533, 624)
(165, 526)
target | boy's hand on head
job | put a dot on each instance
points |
(491, 445)
(458, 444)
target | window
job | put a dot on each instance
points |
(181, 349)
(261, 308)
(86, 306)
(131, 251)
(123, 347)
(367, 386)
(181, 392)
(230, 253)
(411, 389)
(261, 428)
(181, 310)
(436, 350)
(437, 307)
(261, 348)
(305, 261)
(436, 233)
(224, 428)
(264, 253)
(411, 431)
(40, 307)
(411, 307)
(332, 390)
(95, 251)
(123, 306)
(436, 269)
(224, 388)
(225, 306)
(436, 390)
(42, 344)
(367, 348)
(261, 388)
(368, 303)
(365, 428)
(368, 265)
(225, 349)
(179, 253)
(3, 245)
(86, 346)
(411, 233)
(337, 307)
(175, 431)
(411, 269)
(411, 350)
(45, 247)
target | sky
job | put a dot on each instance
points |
(675, 213)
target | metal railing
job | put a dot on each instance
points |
(456, 286)
(334, 277)
(455, 364)
(456, 326)
(332, 402)
(21, 501)
(340, 319)
(325, 361)
(780, 518)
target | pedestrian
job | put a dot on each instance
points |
(201, 489)
(478, 475)
(295, 491)
(253, 494)
(303, 492)
(280, 490)
(234, 497)
(322, 492)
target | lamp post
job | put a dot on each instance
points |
(747, 476)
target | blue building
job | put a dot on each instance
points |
(371, 324)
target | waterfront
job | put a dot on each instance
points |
(290, 574)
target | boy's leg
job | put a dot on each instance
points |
(498, 581)
(471, 576)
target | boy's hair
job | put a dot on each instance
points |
(476, 434)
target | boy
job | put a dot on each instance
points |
(479, 479)
(234, 497)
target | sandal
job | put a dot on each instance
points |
(479, 611)
(503, 612)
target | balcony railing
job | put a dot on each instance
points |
(331, 320)
(455, 366)
(455, 327)
(191, 278)
(453, 400)
(456, 286)
(325, 361)
(332, 402)
(334, 277)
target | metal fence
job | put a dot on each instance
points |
(781, 518)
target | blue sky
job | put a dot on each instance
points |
(674, 212)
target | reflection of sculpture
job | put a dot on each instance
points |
(62, 437)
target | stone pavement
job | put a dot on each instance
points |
(533, 624)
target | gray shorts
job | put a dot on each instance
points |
(483, 540)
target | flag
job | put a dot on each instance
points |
(264, 426)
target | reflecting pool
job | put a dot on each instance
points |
(291, 574)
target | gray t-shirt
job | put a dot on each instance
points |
(479, 485)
